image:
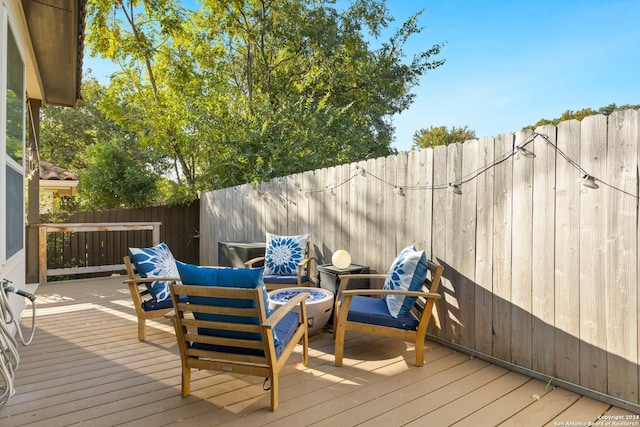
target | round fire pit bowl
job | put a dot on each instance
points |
(319, 305)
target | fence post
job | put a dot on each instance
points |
(156, 234)
(42, 254)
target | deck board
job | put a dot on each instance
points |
(85, 366)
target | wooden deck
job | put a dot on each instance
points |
(85, 366)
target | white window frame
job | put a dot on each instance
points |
(7, 161)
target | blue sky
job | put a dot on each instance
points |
(512, 63)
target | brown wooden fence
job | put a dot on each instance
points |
(541, 272)
(179, 229)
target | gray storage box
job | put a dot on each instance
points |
(235, 254)
(328, 277)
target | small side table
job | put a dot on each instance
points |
(328, 276)
(328, 279)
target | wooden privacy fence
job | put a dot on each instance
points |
(541, 272)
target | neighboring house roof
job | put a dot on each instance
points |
(56, 29)
(49, 171)
(55, 183)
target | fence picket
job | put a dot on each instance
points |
(536, 266)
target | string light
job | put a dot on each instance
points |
(525, 152)
(590, 182)
(587, 179)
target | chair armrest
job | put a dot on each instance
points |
(142, 280)
(344, 280)
(304, 262)
(303, 265)
(282, 311)
(379, 292)
(253, 261)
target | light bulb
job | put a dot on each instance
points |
(341, 259)
(398, 191)
(589, 181)
(525, 152)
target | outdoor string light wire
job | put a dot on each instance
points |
(456, 184)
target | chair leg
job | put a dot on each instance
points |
(305, 349)
(420, 350)
(142, 329)
(420, 354)
(339, 346)
(274, 392)
(186, 381)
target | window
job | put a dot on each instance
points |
(15, 100)
(15, 215)
(14, 140)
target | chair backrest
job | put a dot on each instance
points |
(431, 285)
(223, 324)
(128, 265)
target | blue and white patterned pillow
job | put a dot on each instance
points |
(157, 261)
(408, 272)
(284, 253)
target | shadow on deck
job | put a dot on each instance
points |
(86, 366)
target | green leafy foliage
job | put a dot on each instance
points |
(115, 171)
(116, 177)
(243, 91)
(581, 114)
(441, 135)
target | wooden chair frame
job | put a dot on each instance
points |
(422, 309)
(268, 365)
(138, 292)
(303, 267)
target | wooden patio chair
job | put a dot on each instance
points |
(363, 310)
(279, 271)
(225, 328)
(144, 302)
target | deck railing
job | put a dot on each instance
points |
(44, 272)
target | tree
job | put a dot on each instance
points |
(581, 114)
(243, 91)
(116, 177)
(65, 133)
(441, 135)
(114, 170)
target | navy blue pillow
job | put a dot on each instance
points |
(228, 277)
(157, 261)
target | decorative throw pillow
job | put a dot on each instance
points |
(157, 261)
(284, 253)
(408, 272)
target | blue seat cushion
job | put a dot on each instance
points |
(374, 311)
(284, 330)
(152, 304)
(284, 280)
